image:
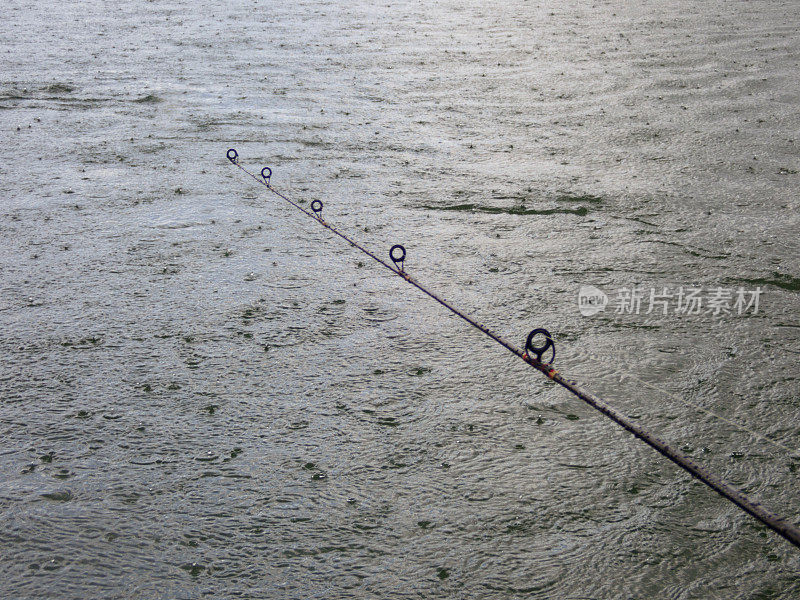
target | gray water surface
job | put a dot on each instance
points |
(204, 394)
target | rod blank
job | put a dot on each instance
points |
(778, 524)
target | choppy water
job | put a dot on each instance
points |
(204, 395)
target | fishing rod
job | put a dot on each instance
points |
(537, 345)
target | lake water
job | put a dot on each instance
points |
(205, 394)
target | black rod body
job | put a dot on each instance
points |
(778, 524)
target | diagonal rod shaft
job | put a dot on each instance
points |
(778, 524)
